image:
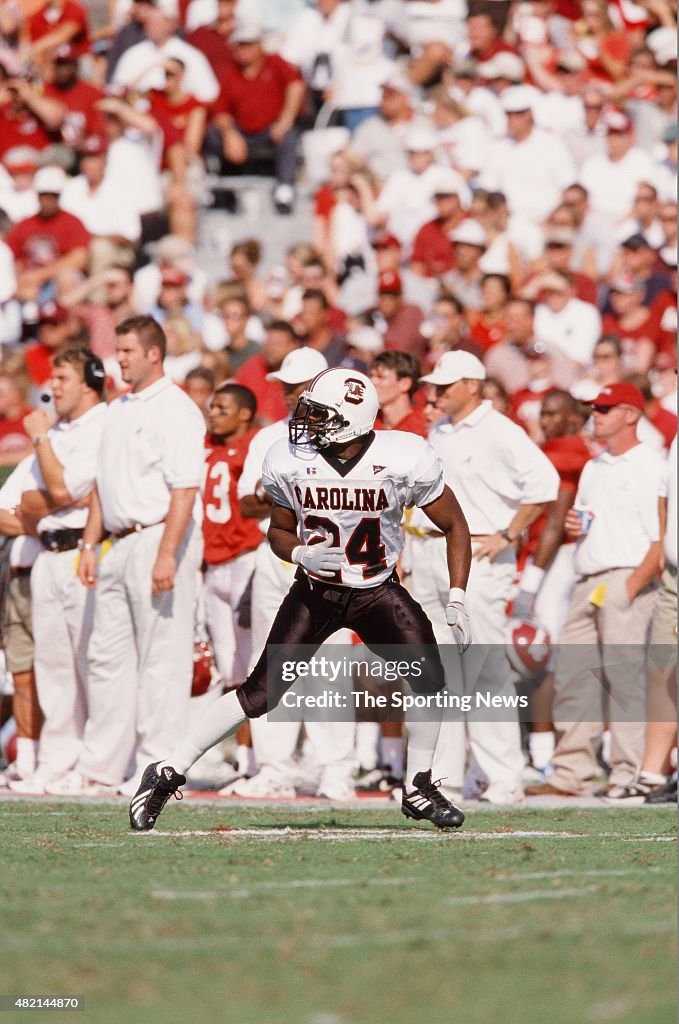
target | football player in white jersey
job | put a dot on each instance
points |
(339, 490)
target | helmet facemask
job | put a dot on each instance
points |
(314, 425)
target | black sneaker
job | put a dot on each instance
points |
(376, 780)
(427, 801)
(153, 793)
(666, 794)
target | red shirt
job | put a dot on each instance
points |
(226, 534)
(433, 248)
(664, 421)
(650, 328)
(50, 18)
(38, 359)
(269, 393)
(82, 118)
(413, 422)
(255, 103)
(403, 330)
(13, 436)
(38, 241)
(22, 129)
(525, 406)
(172, 117)
(568, 454)
(215, 47)
(486, 335)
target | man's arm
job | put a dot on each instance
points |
(282, 532)
(13, 523)
(36, 425)
(646, 572)
(494, 545)
(447, 516)
(292, 104)
(176, 522)
(257, 505)
(549, 543)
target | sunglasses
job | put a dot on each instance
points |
(603, 409)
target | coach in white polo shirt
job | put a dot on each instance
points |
(601, 660)
(502, 481)
(62, 475)
(146, 498)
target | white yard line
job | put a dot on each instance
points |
(354, 834)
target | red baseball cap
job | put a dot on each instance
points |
(173, 277)
(52, 313)
(389, 283)
(622, 393)
(385, 241)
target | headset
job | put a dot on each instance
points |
(94, 372)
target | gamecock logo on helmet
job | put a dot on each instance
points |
(528, 647)
(355, 391)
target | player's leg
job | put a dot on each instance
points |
(391, 612)
(302, 619)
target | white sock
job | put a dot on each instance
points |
(652, 778)
(541, 746)
(391, 748)
(422, 740)
(367, 738)
(245, 760)
(27, 755)
(217, 722)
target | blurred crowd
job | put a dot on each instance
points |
(490, 178)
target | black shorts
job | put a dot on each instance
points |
(383, 616)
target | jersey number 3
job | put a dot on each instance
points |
(218, 510)
(364, 546)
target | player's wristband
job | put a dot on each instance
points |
(531, 579)
(296, 555)
(456, 596)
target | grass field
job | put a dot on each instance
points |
(310, 915)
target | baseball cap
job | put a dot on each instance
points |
(65, 54)
(662, 42)
(170, 8)
(503, 65)
(636, 242)
(50, 181)
(366, 339)
(93, 145)
(571, 60)
(449, 183)
(173, 277)
(399, 82)
(389, 283)
(299, 365)
(20, 159)
(517, 98)
(470, 232)
(246, 32)
(616, 121)
(454, 366)
(622, 393)
(560, 236)
(555, 282)
(52, 313)
(386, 241)
(420, 140)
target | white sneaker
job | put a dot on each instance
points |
(75, 784)
(266, 784)
(12, 774)
(341, 792)
(34, 785)
(502, 798)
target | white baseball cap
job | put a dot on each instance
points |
(420, 140)
(454, 366)
(517, 98)
(503, 65)
(50, 180)
(448, 182)
(470, 232)
(246, 32)
(299, 365)
(366, 339)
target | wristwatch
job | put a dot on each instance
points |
(37, 441)
(505, 534)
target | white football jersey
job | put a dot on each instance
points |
(358, 503)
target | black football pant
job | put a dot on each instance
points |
(384, 617)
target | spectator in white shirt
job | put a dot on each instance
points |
(601, 661)
(312, 43)
(379, 140)
(407, 200)
(612, 180)
(142, 66)
(563, 322)
(531, 167)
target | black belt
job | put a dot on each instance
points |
(61, 540)
(135, 528)
(21, 570)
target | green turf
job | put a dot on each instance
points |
(402, 930)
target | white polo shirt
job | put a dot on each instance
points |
(622, 492)
(492, 466)
(669, 490)
(574, 330)
(152, 444)
(612, 184)
(108, 210)
(532, 174)
(76, 444)
(254, 461)
(24, 550)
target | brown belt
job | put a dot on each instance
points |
(135, 528)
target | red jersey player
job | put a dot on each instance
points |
(230, 541)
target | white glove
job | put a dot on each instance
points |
(458, 619)
(320, 559)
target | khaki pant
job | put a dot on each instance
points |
(662, 669)
(601, 673)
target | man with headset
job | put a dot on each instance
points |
(59, 481)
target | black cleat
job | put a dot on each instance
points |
(154, 791)
(427, 801)
(666, 794)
